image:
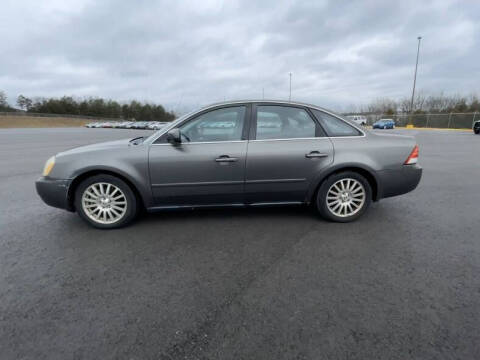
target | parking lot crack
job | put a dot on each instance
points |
(196, 341)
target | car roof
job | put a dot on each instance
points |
(273, 102)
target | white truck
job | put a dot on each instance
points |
(359, 119)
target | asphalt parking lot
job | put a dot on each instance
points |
(401, 283)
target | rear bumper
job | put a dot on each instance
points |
(398, 182)
(54, 192)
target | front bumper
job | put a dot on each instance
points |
(54, 192)
(398, 182)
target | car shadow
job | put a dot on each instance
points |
(302, 211)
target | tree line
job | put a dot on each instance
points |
(97, 107)
(422, 104)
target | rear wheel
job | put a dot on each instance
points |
(105, 202)
(344, 197)
(476, 131)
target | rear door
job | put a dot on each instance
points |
(287, 148)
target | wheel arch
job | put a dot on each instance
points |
(366, 172)
(92, 172)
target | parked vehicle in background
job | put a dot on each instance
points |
(358, 119)
(140, 125)
(118, 125)
(476, 127)
(243, 153)
(135, 125)
(150, 125)
(155, 125)
(384, 124)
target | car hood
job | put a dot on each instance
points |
(100, 146)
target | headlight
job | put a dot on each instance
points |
(49, 166)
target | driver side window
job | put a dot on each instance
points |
(217, 125)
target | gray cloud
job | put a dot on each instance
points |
(192, 53)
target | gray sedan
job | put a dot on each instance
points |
(244, 153)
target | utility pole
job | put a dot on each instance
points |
(290, 93)
(415, 77)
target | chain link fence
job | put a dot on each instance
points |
(447, 121)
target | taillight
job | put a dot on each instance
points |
(413, 157)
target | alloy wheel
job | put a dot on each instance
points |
(104, 203)
(346, 197)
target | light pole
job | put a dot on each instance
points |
(415, 76)
(290, 92)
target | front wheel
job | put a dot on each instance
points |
(344, 197)
(105, 202)
(476, 132)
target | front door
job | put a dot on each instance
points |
(287, 149)
(208, 166)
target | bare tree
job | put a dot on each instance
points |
(418, 102)
(434, 103)
(383, 106)
(404, 105)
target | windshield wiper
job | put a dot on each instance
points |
(136, 141)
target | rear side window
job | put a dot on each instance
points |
(284, 122)
(334, 126)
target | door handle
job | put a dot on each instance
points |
(226, 158)
(315, 154)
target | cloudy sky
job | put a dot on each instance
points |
(188, 53)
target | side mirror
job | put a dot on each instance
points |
(174, 136)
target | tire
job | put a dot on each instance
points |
(357, 205)
(384, 127)
(105, 202)
(476, 132)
